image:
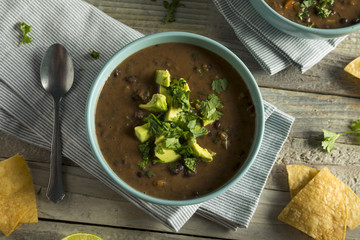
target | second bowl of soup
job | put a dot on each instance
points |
(175, 118)
(311, 19)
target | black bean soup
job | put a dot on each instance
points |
(132, 83)
(323, 14)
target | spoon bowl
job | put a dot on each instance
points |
(57, 77)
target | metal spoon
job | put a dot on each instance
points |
(57, 77)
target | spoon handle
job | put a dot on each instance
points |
(55, 190)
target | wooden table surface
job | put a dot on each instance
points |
(323, 97)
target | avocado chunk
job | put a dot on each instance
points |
(207, 122)
(167, 155)
(156, 104)
(172, 114)
(186, 87)
(164, 91)
(143, 132)
(203, 153)
(162, 77)
(159, 139)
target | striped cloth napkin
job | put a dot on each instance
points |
(26, 110)
(273, 49)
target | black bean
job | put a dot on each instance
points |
(355, 20)
(196, 194)
(139, 174)
(131, 79)
(217, 124)
(344, 20)
(175, 170)
(117, 72)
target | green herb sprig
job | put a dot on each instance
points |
(94, 54)
(331, 137)
(171, 7)
(25, 29)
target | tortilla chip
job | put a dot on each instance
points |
(17, 196)
(319, 209)
(354, 67)
(300, 175)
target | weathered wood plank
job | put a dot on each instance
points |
(58, 230)
(89, 201)
(314, 112)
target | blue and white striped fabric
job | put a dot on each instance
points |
(26, 110)
(273, 49)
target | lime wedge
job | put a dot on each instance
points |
(82, 236)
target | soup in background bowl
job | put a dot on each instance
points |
(311, 19)
(192, 157)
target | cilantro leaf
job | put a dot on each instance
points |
(172, 143)
(331, 137)
(355, 126)
(171, 10)
(94, 54)
(198, 132)
(329, 140)
(322, 11)
(180, 97)
(209, 106)
(307, 3)
(157, 127)
(219, 85)
(190, 163)
(25, 29)
(145, 150)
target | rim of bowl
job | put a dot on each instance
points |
(344, 30)
(167, 37)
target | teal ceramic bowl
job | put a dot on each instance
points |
(295, 29)
(181, 37)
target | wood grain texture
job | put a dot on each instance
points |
(323, 97)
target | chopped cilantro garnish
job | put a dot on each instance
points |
(172, 143)
(25, 29)
(94, 54)
(331, 137)
(322, 11)
(180, 97)
(190, 163)
(150, 174)
(171, 7)
(307, 3)
(174, 132)
(219, 85)
(145, 150)
(209, 106)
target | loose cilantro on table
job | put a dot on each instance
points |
(331, 137)
(219, 85)
(94, 54)
(25, 29)
(171, 7)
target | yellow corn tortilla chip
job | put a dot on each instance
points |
(354, 67)
(319, 209)
(300, 175)
(17, 196)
